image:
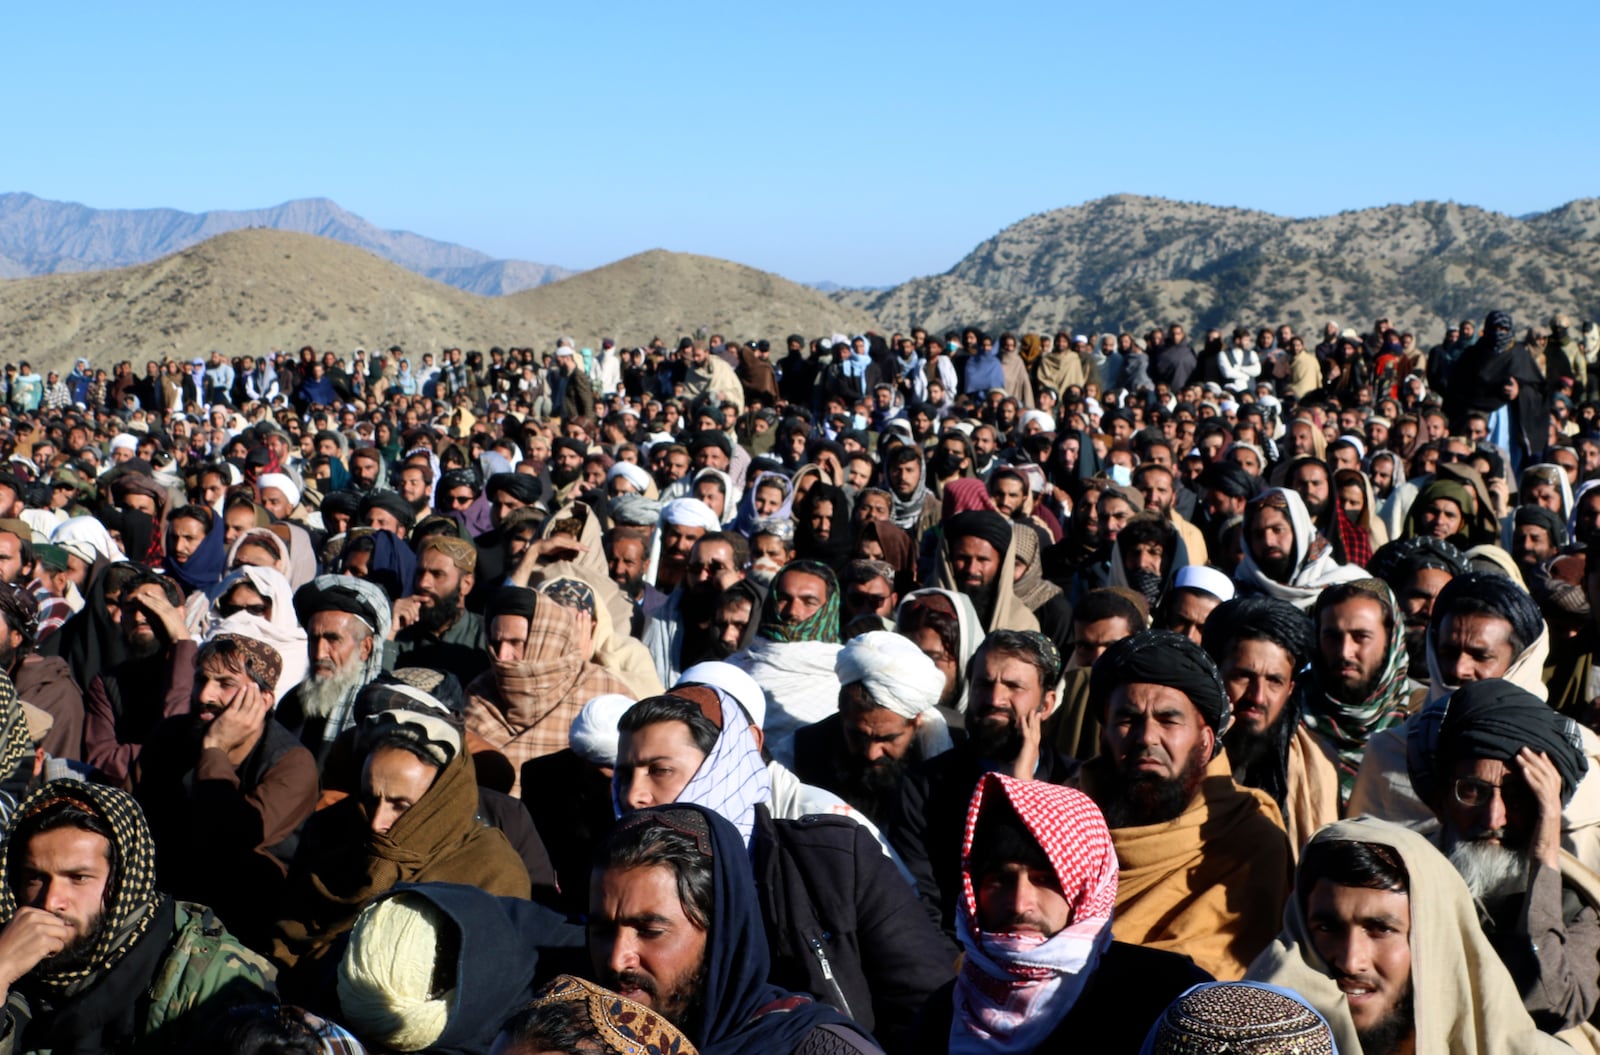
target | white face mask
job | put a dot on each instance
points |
(858, 421)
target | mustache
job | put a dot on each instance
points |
(634, 980)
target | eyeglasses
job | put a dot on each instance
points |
(461, 500)
(1472, 792)
(260, 610)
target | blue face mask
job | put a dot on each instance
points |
(859, 421)
(953, 346)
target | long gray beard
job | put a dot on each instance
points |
(1490, 871)
(321, 696)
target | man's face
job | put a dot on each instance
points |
(905, 476)
(1259, 677)
(1487, 802)
(336, 643)
(626, 563)
(1014, 898)
(1441, 518)
(798, 596)
(439, 582)
(1009, 494)
(876, 736)
(1272, 542)
(1354, 643)
(1090, 640)
(216, 687)
(1157, 490)
(655, 764)
(1115, 512)
(10, 557)
(975, 563)
(1473, 646)
(365, 470)
(1154, 731)
(65, 872)
(711, 568)
(413, 487)
(872, 507)
(1364, 936)
(873, 597)
(508, 637)
(730, 623)
(1187, 612)
(1311, 483)
(1004, 692)
(1530, 544)
(186, 538)
(641, 942)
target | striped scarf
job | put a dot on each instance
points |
(821, 625)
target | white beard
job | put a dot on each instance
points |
(320, 695)
(1490, 871)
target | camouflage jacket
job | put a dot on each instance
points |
(203, 973)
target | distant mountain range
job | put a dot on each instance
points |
(41, 237)
(1132, 263)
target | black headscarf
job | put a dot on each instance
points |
(1492, 719)
(985, 524)
(1161, 657)
(1505, 596)
(1548, 519)
(836, 548)
(521, 486)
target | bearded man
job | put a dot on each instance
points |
(432, 627)
(979, 559)
(1205, 863)
(1284, 556)
(347, 622)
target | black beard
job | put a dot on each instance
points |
(1146, 799)
(1417, 647)
(145, 647)
(686, 1010)
(983, 598)
(633, 585)
(563, 477)
(79, 954)
(418, 505)
(434, 618)
(8, 655)
(1279, 570)
(994, 741)
(1387, 1036)
(1255, 754)
(1319, 513)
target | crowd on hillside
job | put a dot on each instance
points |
(908, 693)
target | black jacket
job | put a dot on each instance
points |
(930, 819)
(1130, 987)
(844, 925)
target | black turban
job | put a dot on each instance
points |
(1491, 719)
(1397, 561)
(390, 502)
(511, 600)
(1258, 618)
(459, 478)
(521, 486)
(1229, 479)
(980, 523)
(1551, 521)
(345, 502)
(1500, 594)
(567, 443)
(1161, 657)
(309, 600)
(710, 438)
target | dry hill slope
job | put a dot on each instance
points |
(248, 292)
(1130, 262)
(659, 293)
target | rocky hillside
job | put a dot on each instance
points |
(39, 237)
(671, 294)
(248, 291)
(1130, 263)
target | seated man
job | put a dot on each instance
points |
(1039, 882)
(226, 787)
(841, 922)
(572, 1015)
(1242, 1018)
(1496, 765)
(1395, 974)
(1205, 863)
(888, 719)
(94, 958)
(674, 925)
(1012, 693)
(1261, 646)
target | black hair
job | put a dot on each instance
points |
(64, 812)
(169, 589)
(1257, 618)
(654, 842)
(201, 514)
(671, 708)
(261, 1029)
(1102, 604)
(736, 542)
(1345, 862)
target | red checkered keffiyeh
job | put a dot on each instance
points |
(1014, 989)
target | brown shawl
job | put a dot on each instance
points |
(1210, 884)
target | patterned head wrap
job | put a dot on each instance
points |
(1161, 657)
(570, 593)
(260, 658)
(21, 611)
(1240, 1018)
(823, 625)
(624, 1027)
(130, 898)
(462, 553)
(16, 746)
(1348, 726)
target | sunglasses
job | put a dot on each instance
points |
(259, 610)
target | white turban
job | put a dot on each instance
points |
(1046, 422)
(593, 734)
(1204, 578)
(124, 441)
(280, 482)
(690, 512)
(733, 681)
(631, 473)
(900, 678)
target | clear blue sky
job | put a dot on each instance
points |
(858, 142)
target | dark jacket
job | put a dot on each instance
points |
(930, 819)
(1130, 987)
(47, 683)
(844, 925)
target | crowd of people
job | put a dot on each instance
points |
(908, 693)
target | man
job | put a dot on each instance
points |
(1391, 972)
(44, 681)
(1157, 485)
(432, 627)
(675, 924)
(1359, 686)
(539, 677)
(1011, 693)
(711, 375)
(1416, 569)
(226, 787)
(1104, 617)
(1284, 557)
(915, 508)
(1260, 646)
(571, 392)
(347, 622)
(386, 511)
(869, 593)
(888, 721)
(119, 707)
(682, 522)
(1205, 863)
(1496, 766)
(416, 487)
(1040, 972)
(1196, 591)
(94, 957)
(978, 559)
(682, 631)
(1537, 535)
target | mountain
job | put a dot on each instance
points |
(667, 295)
(248, 292)
(40, 237)
(1131, 263)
